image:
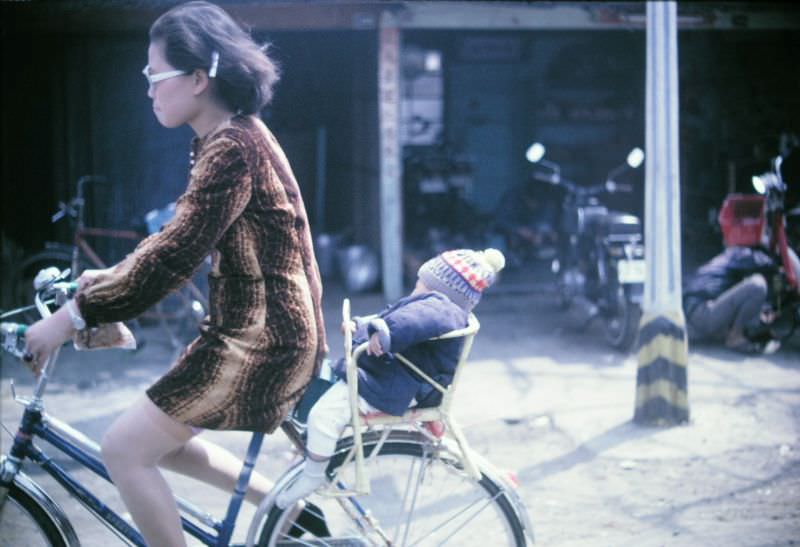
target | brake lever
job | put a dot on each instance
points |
(63, 290)
(24, 401)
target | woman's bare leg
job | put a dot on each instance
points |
(214, 465)
(132, 448)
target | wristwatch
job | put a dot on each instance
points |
(77, 321)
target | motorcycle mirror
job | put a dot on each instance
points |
(767, 182)
(776, 164)
(759, 185)
(535, 152)
(635, 157)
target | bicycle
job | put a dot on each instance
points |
(179, 314)
(425, 488)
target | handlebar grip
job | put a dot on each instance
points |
(68, 288)
(16, 329)
(12, 338)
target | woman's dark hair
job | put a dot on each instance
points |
(193, 31)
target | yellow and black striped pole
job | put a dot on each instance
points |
(661, 380)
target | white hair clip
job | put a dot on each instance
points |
(212, 72)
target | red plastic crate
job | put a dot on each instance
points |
(743, 220)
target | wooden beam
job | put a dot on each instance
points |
(106, 17)
(391, 166)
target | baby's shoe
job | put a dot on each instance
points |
(311, 477)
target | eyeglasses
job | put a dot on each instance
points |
(153, 79)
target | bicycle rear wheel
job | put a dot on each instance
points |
(30, 518)
(420, 496)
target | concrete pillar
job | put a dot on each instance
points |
(663, 354)
(391, 167)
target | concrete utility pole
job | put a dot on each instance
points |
(391, 168)
(661, 386)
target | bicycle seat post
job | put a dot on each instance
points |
(80, 199)
(240, 490)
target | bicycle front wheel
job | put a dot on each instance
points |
(420, 496)
(29, 518)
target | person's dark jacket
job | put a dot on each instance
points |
(384, 382)
(723, 272)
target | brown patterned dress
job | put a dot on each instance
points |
(264, 334)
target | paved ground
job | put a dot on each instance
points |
(555, 406)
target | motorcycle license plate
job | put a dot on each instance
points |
(630, 271)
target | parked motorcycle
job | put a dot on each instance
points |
(600, 264)
(437, 214)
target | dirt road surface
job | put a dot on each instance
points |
(555, 406)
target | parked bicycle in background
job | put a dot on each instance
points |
(179, 314)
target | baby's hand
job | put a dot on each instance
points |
(374, 347)
(348, 325)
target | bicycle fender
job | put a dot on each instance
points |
(344, 444)
(266, 504)
(635, 292)
(509, 489)
(53, 510)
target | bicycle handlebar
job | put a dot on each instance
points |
(74, 208)
(49, 282)
(49, 290)
(86, 179)
(608, 187)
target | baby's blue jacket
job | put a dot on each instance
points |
(384, 382)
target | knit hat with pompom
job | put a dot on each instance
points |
(462, 275)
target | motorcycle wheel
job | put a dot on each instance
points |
(785, 324)
(563, 300)
(622, 327)
(563, 296)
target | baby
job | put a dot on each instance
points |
(448, 287)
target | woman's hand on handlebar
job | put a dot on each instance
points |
(90, 277)
(45, 336)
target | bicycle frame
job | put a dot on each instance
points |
(81, 246)
(36, 423)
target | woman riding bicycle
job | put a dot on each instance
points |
(264, 336)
